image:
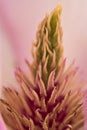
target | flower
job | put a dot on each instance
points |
(52, 99)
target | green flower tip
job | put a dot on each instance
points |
(47, 49)
(54, 18)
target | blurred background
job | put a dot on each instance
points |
(19, 20)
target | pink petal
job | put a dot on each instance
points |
(85, 109)
(2, 125)
(10, 28)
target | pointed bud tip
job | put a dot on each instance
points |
(57, 10)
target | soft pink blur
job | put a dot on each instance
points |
(2, 125)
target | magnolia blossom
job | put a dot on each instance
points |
(10, 29)
(47, 96)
